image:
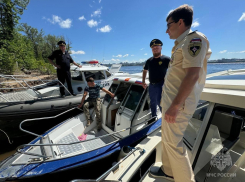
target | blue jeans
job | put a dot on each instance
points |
(155, 92)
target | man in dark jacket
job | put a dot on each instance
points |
(63, 60)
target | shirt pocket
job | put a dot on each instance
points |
(177, 58)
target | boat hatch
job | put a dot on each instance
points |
(115, 68)
(122, 110)
(110, 106)
(129, 108)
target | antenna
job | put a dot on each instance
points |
(92, 52)
(103, 53)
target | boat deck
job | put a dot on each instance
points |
(84, 146)
(16, 96)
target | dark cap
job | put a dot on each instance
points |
(61, 42)
(155, 42)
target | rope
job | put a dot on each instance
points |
(7, 137)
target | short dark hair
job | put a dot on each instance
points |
(184, 12)
(90, 79)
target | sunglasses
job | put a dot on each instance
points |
(169, 24)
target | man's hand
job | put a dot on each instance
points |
(79, 66)
(112, 95)
(80, 105)
(144, 85)
(171, 114)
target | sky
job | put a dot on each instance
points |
(114, 31)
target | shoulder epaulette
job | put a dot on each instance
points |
(192, 32)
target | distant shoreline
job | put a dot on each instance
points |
(226, 62)
(140, 64)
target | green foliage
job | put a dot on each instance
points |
(28, 51)
(17, 51)
(9, 16)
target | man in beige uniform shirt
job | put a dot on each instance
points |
(184, 83)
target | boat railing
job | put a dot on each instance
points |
(226, 72)
(21, 148)
(113, 168)
(24, 84)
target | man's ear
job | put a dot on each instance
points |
(181, 22)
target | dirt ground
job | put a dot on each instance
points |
(9, 84)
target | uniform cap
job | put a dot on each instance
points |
(61, 42)
(155, 42)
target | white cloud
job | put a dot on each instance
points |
(236, 52)
(104, 29)
(224, 51)
(242, 17)
(115, 59)
(145, 54)
(195, 23)
(63, 23)
(90, 6)
(132, 55)
(96, 13)
(169, 12)
(99, 1)
(141, 49)
(92, 23)
(126, 55)
(82, 18)
(118, 56)
(77, 52)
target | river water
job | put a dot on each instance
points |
(212, 68)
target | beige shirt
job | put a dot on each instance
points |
(191, 50)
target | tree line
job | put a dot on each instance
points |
(23, 46)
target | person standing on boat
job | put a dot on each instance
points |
(94, 99)
(157, 67)
(183, 85)
(63, 60)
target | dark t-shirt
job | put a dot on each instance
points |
(63, 60)
(157, 68)
(94, 92)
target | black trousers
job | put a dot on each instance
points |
(62, 77)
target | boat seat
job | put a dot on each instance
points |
(229, 126)
(47, 90)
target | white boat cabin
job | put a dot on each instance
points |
(101, 74)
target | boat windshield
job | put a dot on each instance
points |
(96, 75)
(133, 97)
(195, 123)
(77, 75)
(112, 89)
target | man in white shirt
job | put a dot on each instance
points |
(183, 85)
